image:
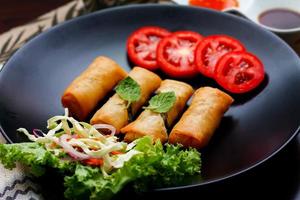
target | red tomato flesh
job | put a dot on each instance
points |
(239, 72)
(211, 49)
(176, 53)
(142, 45)
(214, 4)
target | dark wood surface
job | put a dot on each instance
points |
(17, 12)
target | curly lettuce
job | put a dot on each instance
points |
(156, 165)
(34, 156)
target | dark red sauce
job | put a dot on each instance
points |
(280, 18)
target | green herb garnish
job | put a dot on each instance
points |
(129, 90)
(162, 102)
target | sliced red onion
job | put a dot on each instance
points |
(38, 133)
(70, 149)
(111, 128)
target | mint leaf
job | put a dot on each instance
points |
(162, 102)
(129, 90)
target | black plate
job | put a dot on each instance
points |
(256, 127)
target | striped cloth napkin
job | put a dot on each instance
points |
(14, 184)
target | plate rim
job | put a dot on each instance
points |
(142, 6)
(175, 6)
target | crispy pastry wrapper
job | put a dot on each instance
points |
(153, 124)
(148, 123)
(201, 119)
(92, 85)
(115, 111)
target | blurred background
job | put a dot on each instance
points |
(17, 12)
(14, 13)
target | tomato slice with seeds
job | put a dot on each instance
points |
(239, 72)
(142, 45)
(211, 49)
(176, 53)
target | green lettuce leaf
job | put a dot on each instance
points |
(33, 155)
(154, 165)
(157, 165)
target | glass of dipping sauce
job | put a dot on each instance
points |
(284, 22)
(282, 17)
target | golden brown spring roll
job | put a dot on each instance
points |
(153, 124)
(115, 112)
(83, 94)
(200, 120)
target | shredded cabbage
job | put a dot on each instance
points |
(81, 141)
(142, 162)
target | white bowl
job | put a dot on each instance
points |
(252, 9)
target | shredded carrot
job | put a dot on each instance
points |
(116, 152)
(93, 161)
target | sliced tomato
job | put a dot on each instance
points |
(239, 72)
(93, 161)
(176, 53)
(142, 45)
(211, 49)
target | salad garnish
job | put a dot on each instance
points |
(96, 165)
(83, 142)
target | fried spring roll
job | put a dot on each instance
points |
(200, 120)
(183, 92)
(84, 93)
(115, 111)
(153, 124)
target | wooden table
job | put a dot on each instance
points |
(17, 12)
